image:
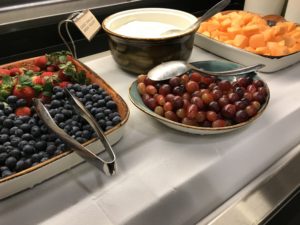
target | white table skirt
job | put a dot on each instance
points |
(165, 176)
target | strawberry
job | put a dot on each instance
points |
(25, 92)
(38, 80)
(62, 76)
(44, 98)
(23, 111)
(64, 84)
(52, 68)
(69, 58)
(41, 61)
(47, 74)
(4, 72)
(15, 71)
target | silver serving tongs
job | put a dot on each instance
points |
(108, 167)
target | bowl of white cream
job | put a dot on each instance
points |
(137, 42)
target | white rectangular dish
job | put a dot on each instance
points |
(243, 57)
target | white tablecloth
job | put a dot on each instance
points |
(164, 176)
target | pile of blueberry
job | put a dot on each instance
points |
(26, 141)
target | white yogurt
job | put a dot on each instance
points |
(144, 29)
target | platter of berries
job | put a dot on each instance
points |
(202, 104)
(29, 151)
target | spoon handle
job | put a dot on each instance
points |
(234, 72)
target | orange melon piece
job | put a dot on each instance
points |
(276, 49)
(240, 41)
(250, 29)
(263, 50)
(225, 24)
(257, 40)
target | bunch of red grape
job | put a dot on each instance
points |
(200, 100)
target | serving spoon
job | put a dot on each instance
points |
(209, 13)
(171, 69)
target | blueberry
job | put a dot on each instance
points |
(116, 120)
(15, 141)
(19, 132)
(28, 162)
(1, 105)
(22, 144)
(86, 134)
(35, 131)
(101, 102)
(41, 145)
(111, 104)
(2, 118)
(92, 91)
(99, 116)
(12, 99)
(25, 127)
(10, 162)
(59, 117)
(4, 138)
(24, 118)
(57, 89)
(28, 149)
(2, 149)
(3, 157)
(8, 110)
(21, 102)
(55, 104)
(35, 158)
(13, 130)
(107, 112)
(44, 137)
(20, 165)
(32, 121)
(80, 139)
(6, 173)
(8, 123)
(2, 112)
(27, 137)
(15, 153)
(51, 149)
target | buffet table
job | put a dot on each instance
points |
(164, 176)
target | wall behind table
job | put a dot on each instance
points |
(36, 36)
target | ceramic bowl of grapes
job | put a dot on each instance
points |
(203, 104)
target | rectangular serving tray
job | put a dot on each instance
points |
(243, 57)
(37, 174)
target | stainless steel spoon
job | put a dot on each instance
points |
(212, 11)
(171, 69)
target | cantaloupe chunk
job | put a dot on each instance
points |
(257, 40)
(276, 49)
(241, 41)
(251, 32)
(250, 29)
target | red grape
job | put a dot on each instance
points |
(191, 86)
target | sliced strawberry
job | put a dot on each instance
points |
(4, 72)
(23, 111)
(15, 71)
(41, 61)
(64, 84)
(38, 80)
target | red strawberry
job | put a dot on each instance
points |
(15, 71)
(44, 98)
(4, 72)
(23, 111)
(38, 80)
(64, 84)
(52, 68)
(69, 58)
(17, 92)
(62, 76)
(47, 74)
(25, 92)
(41, 61)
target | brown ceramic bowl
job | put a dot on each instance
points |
(135, 40)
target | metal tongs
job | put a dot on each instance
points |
(108, 167)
